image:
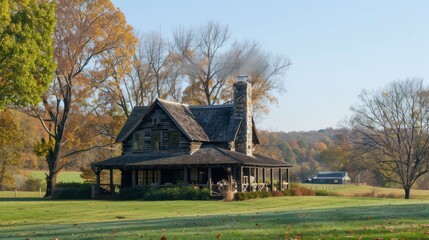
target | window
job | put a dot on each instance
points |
(156, 141)
(173, 140)
(146, 177)
(138, 141)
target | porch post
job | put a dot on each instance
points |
(185, 176)
(264, 175)
(240, 185)
(112, 188)
(209, 183)
(280, 180)
(249, 174)
(158, 173)
(98, 173)
(271, 179)
(287, 179)
(257, 179)
(133, 178)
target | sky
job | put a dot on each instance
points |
(337, 48)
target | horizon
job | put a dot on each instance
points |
(337, 49)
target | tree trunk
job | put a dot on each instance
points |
(407, 192)
(2, 174)
(51, 181)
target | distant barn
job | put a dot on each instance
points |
(331, 178)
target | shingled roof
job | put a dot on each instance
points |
(213, 123)
(132, 122)
(208, 155)
(218, 121)
(184, 120)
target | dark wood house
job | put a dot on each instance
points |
(169, 143)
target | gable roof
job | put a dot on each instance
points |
(212, 123)
(132, 122)
(184, 120)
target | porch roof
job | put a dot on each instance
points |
(205, 156)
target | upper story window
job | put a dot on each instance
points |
(156, 119)
(138, 141)
(156, 141)
(173, 140)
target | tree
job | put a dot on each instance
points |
(11, 138)
(152, 72)
(26, 50)
(205, 62)
(266, 74)
(86, 31)
(391, 130)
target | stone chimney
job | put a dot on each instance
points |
(243, 108)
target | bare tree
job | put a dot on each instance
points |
(266, 74)
(207, 62)
(391, 130)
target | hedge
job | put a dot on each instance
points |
(72, 191)
(166, 193)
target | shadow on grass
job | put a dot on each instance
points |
(22, 199)
(385, 220)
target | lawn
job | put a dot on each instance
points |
(367, 191)
(271, 218)
(64, 176)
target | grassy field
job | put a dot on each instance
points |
(367, 191)
(271, 218)
(64, 176)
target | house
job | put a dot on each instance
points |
(331, 178)
(169, 143)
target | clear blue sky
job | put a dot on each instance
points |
(337, 48)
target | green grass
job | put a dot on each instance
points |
(367, 191)
(269, 218)
(64, 176)
(20, 194)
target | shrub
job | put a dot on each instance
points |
(240, 196)
(177, 193)
(296, 192)
(277, 194)
(133, 193)
(302, 191)
(265, 194)
(287, 192)
(34, 184)
(72, 191)
(325, 193)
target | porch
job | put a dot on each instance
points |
(215, 178)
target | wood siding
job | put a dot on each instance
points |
(164, 125)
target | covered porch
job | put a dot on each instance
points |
(209, 167)
(244, 178)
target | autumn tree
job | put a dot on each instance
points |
(11, 138)
(391, 131)
(86, 30)
(26, 62)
